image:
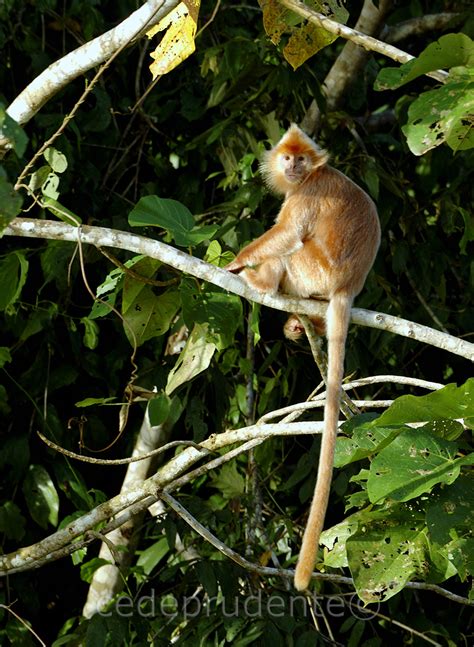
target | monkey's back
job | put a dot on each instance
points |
(341, 234)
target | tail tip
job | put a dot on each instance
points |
(302, 578)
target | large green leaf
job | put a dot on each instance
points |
(443, 115)
(365, 441)
(451, 508)
(388, 550)
(132, 287)
(150, 315)
(222, 312)
(451, 50)
(229, 481)
(152, 211)
(449, 403)
(412, 464)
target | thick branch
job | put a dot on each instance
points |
(61, 72)
(352, 58)
(107, 579)
(139, 496)
(419, 25)
(104, 237)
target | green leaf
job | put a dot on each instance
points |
(10, 129)
(387, 551)
(468, 235)
(194, 358)
(56, 159)
(150, 557)
(451, 50)
(61, 212)
(12, 522)
(365, 441)
(132, 287)
(149, 315)
(39, 320)
(200, 234)
(213, 253)
(5, 356)
(222, 312)
(90, 402)
(39, 177)
(13, 272)
(158, 409)
(450, 510)
(10, 203)
(41, 496)
(89, 568)
(207, 576)
(443, 115)
(229, 481)
(152, 211)
(412, 464)
(449, 403)
(91, 333)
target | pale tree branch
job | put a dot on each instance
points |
(292, 412)
(104, 237)
(61, 72)
(419, 25)
(108, 579)
(171, 476)
(137, 498)
(357, 37)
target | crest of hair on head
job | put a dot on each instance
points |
(294, 142)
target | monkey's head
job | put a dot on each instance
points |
(292, 160)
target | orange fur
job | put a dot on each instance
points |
(323, 243)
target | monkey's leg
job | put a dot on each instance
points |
(266, 277)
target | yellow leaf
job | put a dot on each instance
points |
(304, 38)
(178, 42)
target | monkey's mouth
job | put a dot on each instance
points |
(293, 177)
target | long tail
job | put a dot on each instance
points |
(338, 314)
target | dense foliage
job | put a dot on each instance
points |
(196, 138)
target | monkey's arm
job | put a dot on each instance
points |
(280, 240)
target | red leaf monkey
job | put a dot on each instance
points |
(323, 244)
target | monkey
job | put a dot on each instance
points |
(322, 245)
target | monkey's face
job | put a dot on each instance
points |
(294, 166)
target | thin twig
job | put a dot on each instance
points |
(346, 405)
(121, 461)
(287, 573)
(25, 624)
(424, 303)
(135, 275)
(397, 623)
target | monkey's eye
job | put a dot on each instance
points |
(286, 158)
(301, 158)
